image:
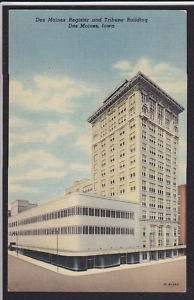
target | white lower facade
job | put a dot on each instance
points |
(83, 231)
(76, 223)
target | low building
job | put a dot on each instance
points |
(182, 213)
(19, 206)
(82, 231)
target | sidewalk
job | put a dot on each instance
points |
(167, 276)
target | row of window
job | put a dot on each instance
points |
(167, 121)
(121, 191)
(113, 125)
(159, 216)
(113, 115)
(160, 205)
(85, 229)
(76, 210)
(161, 132)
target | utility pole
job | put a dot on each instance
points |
(17, 242)
(57, 249)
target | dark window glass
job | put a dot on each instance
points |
(91, 229)
(117, 230)
(112, 230)
(102, 212)
(122, 214)
(101, 230)
(85, 211)
(112, 213)
(118, 214)
(85, 229)
(108, 213)
(107, 230)
(73, 211)
(91, 211)
(97, 212)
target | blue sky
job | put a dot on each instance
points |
(59, 76)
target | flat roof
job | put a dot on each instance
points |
(125, 87)
(52, 201)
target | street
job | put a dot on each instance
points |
(165, 277)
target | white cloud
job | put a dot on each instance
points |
(182, 146)
(36, 158)
(19, 188)
(170, 78)
(33, 166)
(48, 93)
(39, 174)
(182, 169)
(40, 165)
(84, 143)
(79, 167)
(15, 123)
(123, 65)
(46, 134)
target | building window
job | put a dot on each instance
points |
(144, 256)
(144, 214)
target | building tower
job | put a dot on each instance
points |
(134, 155)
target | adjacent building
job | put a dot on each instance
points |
(182, 213)
(83, 186)
(134, 155)
(18, 206)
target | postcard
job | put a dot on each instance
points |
(96, 112)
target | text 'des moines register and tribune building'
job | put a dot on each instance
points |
(128, 211)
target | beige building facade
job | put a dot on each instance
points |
(134, 155)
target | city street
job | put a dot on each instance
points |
(160, 277)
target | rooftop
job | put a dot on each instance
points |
(125, 87)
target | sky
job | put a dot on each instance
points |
(60, 75)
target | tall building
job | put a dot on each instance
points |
(134, 155)
(182, 213)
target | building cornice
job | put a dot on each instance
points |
(126, 86)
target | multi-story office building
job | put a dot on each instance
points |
(182, 213)
(134, 149)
